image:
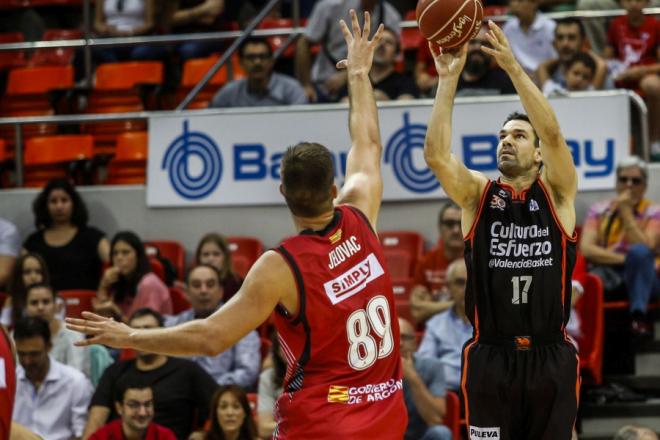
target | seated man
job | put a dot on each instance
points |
(388, 84)
(447, 332)
(262, 86)
(182, 390)
(620, 238)
(428, 296)
(569, 40)
(135, 405)
(241, 363)
(423, 390)
(51, 398)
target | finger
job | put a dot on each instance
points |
(94, 317)
(492, 39)
(367, 24)
(342, 64)
(488, 50)
(435, 50)
(378, 34)
(496, 30)
(344, 30)
(356, 24)
(84, 342)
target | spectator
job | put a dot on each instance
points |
(530, 34)
(126, 18)
(631, 432)
(428, 295)
(30, 269)
(322, 81)
(231, 417)
(74, 252)
(41, 303)
(619, 239)
(262, 86)
(388, 84)
(270, 388)
(10, 247)
(134, 403)
(634, 40)
(569, 40)
(238, 365)
(481, 77)
(580, 71)
(192, 16)
(447, 332)
(423, 390)
(182, 390)
(51, 398)
(129, 284)
(214, 251)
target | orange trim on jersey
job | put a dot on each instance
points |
(481, 207)
(578, 384)
(563, 279)
(514, 194)
(554, 214)
(465, 365)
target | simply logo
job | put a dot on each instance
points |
(399, 153)
(191, 180)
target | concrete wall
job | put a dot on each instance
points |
(116, 208)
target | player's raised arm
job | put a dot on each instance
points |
(268, 283)
(363, 187)
(462, 185)
(558, 167)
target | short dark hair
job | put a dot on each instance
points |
(129, 382)
(307, 177)
(569, 21)
(208, 266)
(146, 311)
(42, 220)
(40, 286)
(517, 116)
(126, 286)
(584, 58)
(449, 204)
(31, 326)
(254, 40)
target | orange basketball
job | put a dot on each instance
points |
(449, 23)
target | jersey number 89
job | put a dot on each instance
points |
(363, 351)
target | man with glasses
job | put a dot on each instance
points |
(620, 237)
(134, 403)
(429, 296)
(447, 332)
(261, 86)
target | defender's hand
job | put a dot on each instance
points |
(100, 330)
(360, 48)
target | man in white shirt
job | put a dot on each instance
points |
(51, 398)
(10, 246)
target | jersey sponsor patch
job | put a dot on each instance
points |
(354, 280)
(497, 203)
(533, 205)
(337, 394)
(372, 392)
(477, 433)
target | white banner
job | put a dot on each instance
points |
(232, 157)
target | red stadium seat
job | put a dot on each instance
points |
(173, 251)
(400, 264)
(179, 299)
(277, 41)
(77, 301)
(411, 38)
(39, 80)
(57, 56)
(48, 157)
(401, 289)
(128, 166)
(452, 418)
(195, 69)
(244, 252)
(127, 75)
(157, 268)
(403, 310)
(590, 310)
(409, 241)
(253, 399)
(11, 58)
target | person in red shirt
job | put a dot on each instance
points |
(329, 287)
(135, 405)
(428, 295)
(633, 41)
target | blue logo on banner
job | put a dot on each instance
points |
(177, 163)
(399, 152)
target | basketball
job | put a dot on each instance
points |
(449, 23)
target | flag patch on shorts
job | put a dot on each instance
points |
(477, 433)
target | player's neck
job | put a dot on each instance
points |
(317, 223)
(519, 183)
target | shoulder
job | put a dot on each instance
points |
(150, 279)
(598, 208)
(162, 432)
(35, 238)
(653, 211)
(286, 81)
(69, 373)
(185, 316)
(7, 227)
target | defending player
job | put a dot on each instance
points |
(328, 285)
(520, 373)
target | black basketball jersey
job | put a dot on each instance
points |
(519, 262)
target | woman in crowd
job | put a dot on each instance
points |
(214, 251)
(270, 388)
(74, 252)
(129, 284)
(231, 417)
(29, 269)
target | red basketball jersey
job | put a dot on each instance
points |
(7, 385)
(344, 368)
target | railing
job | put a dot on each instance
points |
(18, 122)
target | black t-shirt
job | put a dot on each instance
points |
(393, 85)
(182, 392)
(76, 265)
(494, 82)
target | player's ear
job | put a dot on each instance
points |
(282, 189)
(334, 191)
